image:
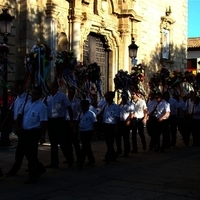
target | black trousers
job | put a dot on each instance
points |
(86, 137)
(19, 155)
(30, 146)
(151, 130)
(188, 128)
(173, 129)
(58, 134)
(124, 132)
(137, 125)
(109, 136)
(162, 129)
(196, 132)
(75, 141)
(182, 128)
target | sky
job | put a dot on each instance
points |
(193, 18)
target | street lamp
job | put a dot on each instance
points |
(5, 31)
(133, 52)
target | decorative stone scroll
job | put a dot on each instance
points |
(166, 32)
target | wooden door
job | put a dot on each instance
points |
(95, 50)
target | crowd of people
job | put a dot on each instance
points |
(66, 119)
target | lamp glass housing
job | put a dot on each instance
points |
(133, 50)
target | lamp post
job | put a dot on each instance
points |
(133, 52)
(5, 30)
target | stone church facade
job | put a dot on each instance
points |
(101, 31)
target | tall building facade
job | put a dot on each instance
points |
(101, 31)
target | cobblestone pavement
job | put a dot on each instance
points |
(173, 175)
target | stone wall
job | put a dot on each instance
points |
(51, 21)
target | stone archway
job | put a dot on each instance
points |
(62, 42)
(95, 49)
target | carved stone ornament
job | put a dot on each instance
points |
(102, 26)
(86, 1)
(104, 6)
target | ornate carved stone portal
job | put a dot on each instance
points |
(95, 50)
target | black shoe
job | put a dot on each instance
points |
(80, 166)
(157, 149)
(106, 161)
(51, 166)
(125, 155)
(10, 174)
(134, 151)
(70, 164)
(42, 171)
(90, 163)
(118, 153)
(29, 181)
(162, 150)
(144, 147)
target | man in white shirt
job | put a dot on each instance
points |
(174, 109)
(196, 122)
(76, 108)
(162, 114)
(189, 113)
(22, 96)
(111, 116)
(57, 104)
(32, 121)
(139, 117)
(151, 122)
(87, 125)
(124, 129)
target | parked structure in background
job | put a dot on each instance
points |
(100, 31)
(193, 55)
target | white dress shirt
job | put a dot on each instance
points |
(17, 104)
(33, 114)
(162, 108)
(76, 107)
(110, 114)
(125, 110)
(87, 121)
(57, 105)
(139, 107)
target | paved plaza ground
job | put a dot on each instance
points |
(173, 175)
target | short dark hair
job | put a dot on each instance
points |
(85, 103)
(20, 82)
(55, 84)
(111, 93)
(38, 88)
(72, 89)
(159, 94)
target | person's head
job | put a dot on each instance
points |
(196, 100)
(176, 96)
(158, 96)
(71, 92)
(19, 86)
(85, 104)
(124, 98)
(36, 93)
(135, 95)
(54, 87)
(192, 95)
(151, 95)
(166, 95)
(109, 96)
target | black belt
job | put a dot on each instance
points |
(56, 118)
(135, 118)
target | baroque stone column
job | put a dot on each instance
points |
(76, 32)
(51, 32)
(126, 41)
